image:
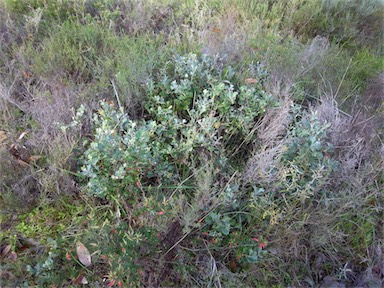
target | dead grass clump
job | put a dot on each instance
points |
(18, 182)
(14, 171)
(304, 69)
(328, 236)
(226, 37)
(5, 108)
(139, 17)
(274, 124)
(45, 106)
(52, 103)
(315, 51)
(270, 144)
(295, 65)
(354, 211)
(327, 239)
(354, 137)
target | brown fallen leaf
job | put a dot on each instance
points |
(12, 256)
(80, 280)
(22, 163)
(34, 158)
(19, 152)
(5, 250)
(83, 254)
(27, 74)
(251, 81)
(22, 135)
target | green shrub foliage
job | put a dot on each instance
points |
(190, 112)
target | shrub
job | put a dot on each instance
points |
(306, 155)
(297, 172)
(191, 112)
(193, 115)
(201, 92)
(119, 155)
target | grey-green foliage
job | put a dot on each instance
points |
(302, 166)
(191, 113)
(45, 269)
(306, 162)
(119, 153)
(199, 92)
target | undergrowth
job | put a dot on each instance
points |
(191, 144)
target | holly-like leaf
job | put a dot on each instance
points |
(83, 254)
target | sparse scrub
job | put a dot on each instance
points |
(191, 144)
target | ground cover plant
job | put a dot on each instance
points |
(191, 144)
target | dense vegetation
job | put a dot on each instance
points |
(191, 143)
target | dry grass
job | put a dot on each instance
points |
(355, 138)
(333, 238)
(270, 144)
(140, 17)
(358, 142)
(46, 106)
(226, 37)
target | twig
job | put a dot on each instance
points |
(177, 243)
(342, 79)
(116, 95)
(213, 267)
